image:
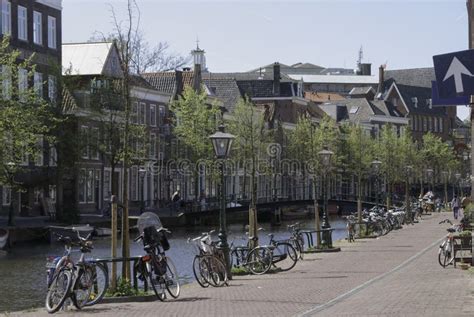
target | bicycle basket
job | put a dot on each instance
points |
(160, 266)
(151, 236)
(148, 219)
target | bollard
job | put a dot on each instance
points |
(113, 225)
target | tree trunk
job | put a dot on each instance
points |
(316, 216)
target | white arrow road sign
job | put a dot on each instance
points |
(456, 69)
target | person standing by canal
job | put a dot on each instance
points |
(455, 203)
(175, 201)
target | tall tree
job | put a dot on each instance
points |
(25, 117)
(248, 127)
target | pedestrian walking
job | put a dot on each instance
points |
(455, 203)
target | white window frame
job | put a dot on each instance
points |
(90, 185)
(6, 82)
(152, 145)
(38, 84)
(6, 196)
(84, 133)
(153, 115)
(37, 28)
(22, 82)
(52, 193)
(6, 17)
(22, 23)
(52, 40)
(52, 88)
(142, 113)
(82, 187)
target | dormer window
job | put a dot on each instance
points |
(429, 103)
(414, 100)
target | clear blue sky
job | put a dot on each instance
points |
(241, 35)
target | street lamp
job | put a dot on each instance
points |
(325, 155)
(429, 176)
(10, 171)
(222, 142)
(141, 174)
(376, 164)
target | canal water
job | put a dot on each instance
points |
(22, 271)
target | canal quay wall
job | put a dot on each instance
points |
(393, 275)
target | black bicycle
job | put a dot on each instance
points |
(155, 265)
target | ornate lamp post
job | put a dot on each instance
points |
(376, 164)
(429, 176)
(141, 174)
(325, 155)
(222, 142)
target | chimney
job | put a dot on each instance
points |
(197, 79)
(381, 80)
(179, 83)
(276, 79)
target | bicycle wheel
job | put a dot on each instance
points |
(100, 283)
(83, 287)
(259, 260)
(284, 256)
(296, 245)
(442, 256)
(58, 290)
(201, 271)
(238, 256)
(171, 278)
(452, 247)
(217, 270)
(156, 281)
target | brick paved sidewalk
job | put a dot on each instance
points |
(396, 275)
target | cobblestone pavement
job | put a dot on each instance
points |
(395, 275)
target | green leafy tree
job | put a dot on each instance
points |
(195, 119)
(390, 157)
(24, 118)
(248, 127)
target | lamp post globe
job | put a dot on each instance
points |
(376, 164)
(325, 156)
(222, 143)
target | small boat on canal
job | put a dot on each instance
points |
(69, 231)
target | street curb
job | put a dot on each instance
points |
(129, 299)
(323, 250)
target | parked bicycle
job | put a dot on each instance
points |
(256, 264)
(208, 264)
(278, 254)
(85, 282)
(446, 252)
(296, 239)
(155, 265)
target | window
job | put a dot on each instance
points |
(38, 84)
(94, 143)
(82, 186)
(52, 192)
(153, 115)
(134, 181)
(53, 156)
(142, 117)
(39, 155)
(90, 185)
(22, 83)
(107, 185)
(51, 32)
(6, 17)
(153, 145)
(22, 23)
(52, 88)
(425, 124)
(84, 138)
(441, 125)
(37, 28)
(435, 124)
(429, 123)
(6, 195)
(6, 82)
(134, 113)
(162, 115)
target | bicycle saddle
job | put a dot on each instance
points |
(451, 230)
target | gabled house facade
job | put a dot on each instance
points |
(96, 66)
